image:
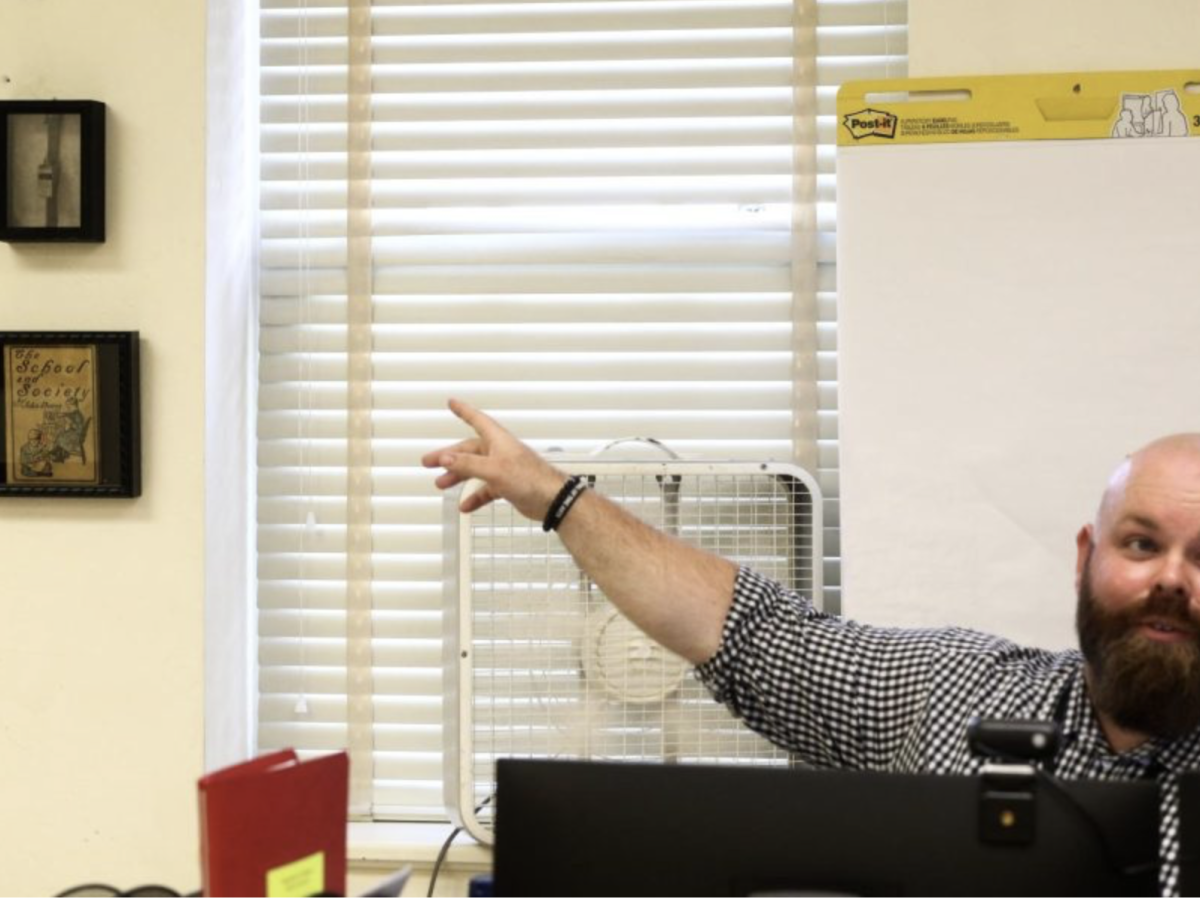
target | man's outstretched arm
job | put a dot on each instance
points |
(677, 594)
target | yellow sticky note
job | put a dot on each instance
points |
(304, 877)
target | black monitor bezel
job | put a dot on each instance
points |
(585, 828)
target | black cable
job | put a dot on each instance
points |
(437, 865)
(441, 857)
(1101, 835)
(105, 889)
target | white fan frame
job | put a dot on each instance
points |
(458, 631)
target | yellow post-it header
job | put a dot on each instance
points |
(1064, 106)
(304, 877)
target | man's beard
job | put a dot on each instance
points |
(1145, 686)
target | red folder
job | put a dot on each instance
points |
(275, 826)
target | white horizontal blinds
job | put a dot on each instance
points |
(855, 39)
(580, 197)
(579, 219)
(547, 175)
(314, 488)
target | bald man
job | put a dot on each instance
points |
(1138, 578)
(843, 694)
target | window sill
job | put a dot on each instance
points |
(414, 843)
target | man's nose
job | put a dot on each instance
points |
(1172, 575)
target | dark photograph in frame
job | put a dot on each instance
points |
(71, 413)
(52, 189)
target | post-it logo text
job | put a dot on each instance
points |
(870, 123)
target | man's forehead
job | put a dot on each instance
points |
(1163, 475)
(1134, 519)
(1166, 464)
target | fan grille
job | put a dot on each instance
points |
(557, 672)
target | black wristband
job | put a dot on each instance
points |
(558, 510)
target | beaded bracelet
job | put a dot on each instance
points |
(570, 492)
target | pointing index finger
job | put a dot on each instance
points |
(482, 423)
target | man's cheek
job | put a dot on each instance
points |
(1122, 591)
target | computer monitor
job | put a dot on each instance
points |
(611, 829)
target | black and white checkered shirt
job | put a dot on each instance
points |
(841, 694)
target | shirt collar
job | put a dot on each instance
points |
(1079, 724)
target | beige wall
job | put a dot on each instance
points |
(986, 37)
(101, 679)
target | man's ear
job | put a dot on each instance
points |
(1083, 547)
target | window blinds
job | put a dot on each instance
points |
(578, 215)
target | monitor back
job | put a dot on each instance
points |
(604, 829)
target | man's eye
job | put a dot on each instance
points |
(1141, 544)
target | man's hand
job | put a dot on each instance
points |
(676, 593)
(508, 468)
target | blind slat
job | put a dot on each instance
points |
(537, 308)
(595, 338)
(626, 19)
(559, 163)
(637, 218)
(429, 279)
(663, 424)
(584, 134)
(544, 251)
(537, 106)
(565, 75)
(451, 368)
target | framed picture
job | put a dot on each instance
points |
(71, 413)
(52, 167)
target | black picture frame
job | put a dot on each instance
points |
(52, 171)
(71, 422)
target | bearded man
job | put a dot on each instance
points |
(843, 694)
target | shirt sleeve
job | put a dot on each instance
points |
(835, 692)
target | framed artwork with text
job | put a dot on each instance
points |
(71, 423)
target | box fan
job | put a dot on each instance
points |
(540, 665)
